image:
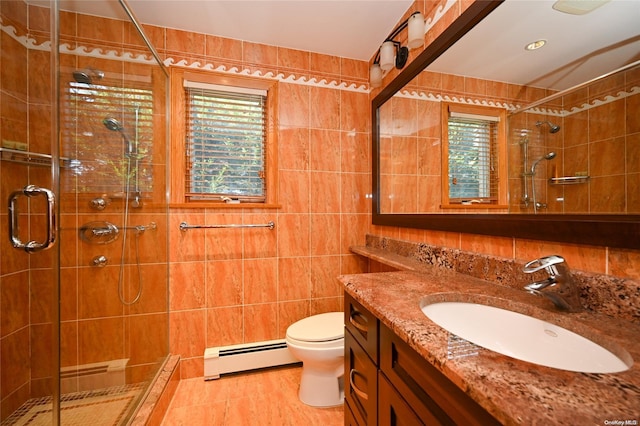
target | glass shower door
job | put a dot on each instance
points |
(84, 323)
(113, 216)
(28, 255)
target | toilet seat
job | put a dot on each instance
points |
(328, 327)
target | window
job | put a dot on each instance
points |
(225, 132)
(474, 156)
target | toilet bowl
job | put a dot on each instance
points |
(318, 341)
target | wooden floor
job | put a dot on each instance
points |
(266, 397)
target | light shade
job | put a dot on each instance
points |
(375, 76)
(387, 55)
(416, 30)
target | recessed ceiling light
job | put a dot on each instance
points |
(578, 7)
(535, 45)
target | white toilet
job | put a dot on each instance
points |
(318, 341)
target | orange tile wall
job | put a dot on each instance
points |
(232, 286)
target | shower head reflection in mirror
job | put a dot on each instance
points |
(553, 128)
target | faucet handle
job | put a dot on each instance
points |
(546, 262)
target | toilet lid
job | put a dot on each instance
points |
(318, 328)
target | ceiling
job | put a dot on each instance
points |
(345, 28)
(579, 47)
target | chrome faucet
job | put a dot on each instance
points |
(559, 287)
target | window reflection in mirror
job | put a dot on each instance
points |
(473, 156)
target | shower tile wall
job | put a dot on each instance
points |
(610, 131)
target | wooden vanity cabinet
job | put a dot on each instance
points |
(389, 383)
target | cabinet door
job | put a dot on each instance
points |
(429, 392)
(393, 410)
(360, 382)
(363, 326)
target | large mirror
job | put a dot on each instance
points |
(571, 141)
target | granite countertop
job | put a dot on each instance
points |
(514, 392)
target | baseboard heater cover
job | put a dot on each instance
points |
(246, 356)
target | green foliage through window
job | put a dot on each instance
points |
(225, 144)
(472, 159)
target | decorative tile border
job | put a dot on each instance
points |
(291, 78)
(111, 54)
(428, 96)
(440, 12)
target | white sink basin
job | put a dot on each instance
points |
(525, 338)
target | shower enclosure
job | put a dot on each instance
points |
(83, 260)
(576, 151)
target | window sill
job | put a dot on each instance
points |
(221, 205)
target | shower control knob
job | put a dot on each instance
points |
(98, 203)
(100, 261)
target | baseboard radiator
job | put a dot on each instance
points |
(98, 375)
(244, 357)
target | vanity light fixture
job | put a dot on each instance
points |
(391, 53)
(535, 45)
(375, 75)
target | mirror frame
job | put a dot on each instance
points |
(621, 231)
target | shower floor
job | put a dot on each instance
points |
(102, 407)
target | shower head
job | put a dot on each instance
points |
(87, 75)
(112, 124)
(553, 128)
(115, 126)
(548, 156)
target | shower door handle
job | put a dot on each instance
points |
(32, 246)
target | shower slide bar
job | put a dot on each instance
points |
(184, 226)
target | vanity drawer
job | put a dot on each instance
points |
(433, 397)
(362, 325)
(360, 383)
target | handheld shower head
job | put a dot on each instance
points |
(87, 75)
(112, 124)
(115, 126)
(553, 128)
(548, 156)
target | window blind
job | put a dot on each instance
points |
(225, 143)
(101, 164)
(472, 159)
